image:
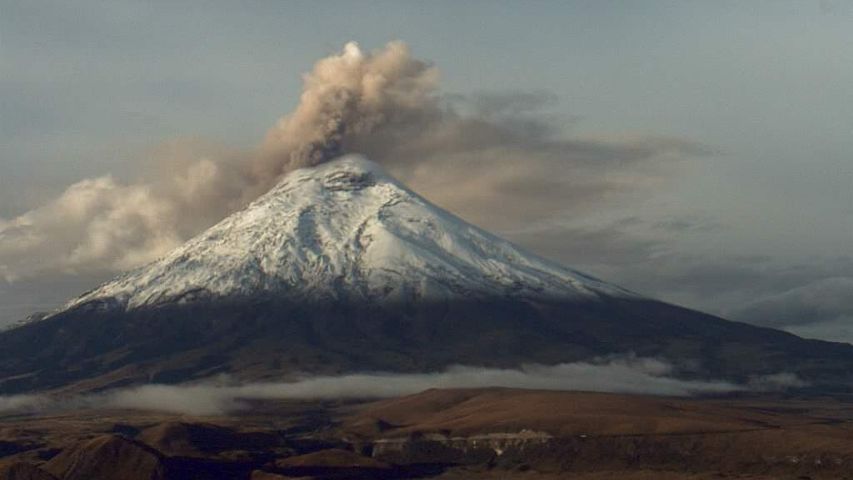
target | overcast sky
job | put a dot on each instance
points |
(723, 131)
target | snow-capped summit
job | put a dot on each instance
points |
(345, 230)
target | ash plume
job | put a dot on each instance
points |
(347, 99)
(465, 153)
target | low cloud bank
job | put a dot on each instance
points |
(621, 375)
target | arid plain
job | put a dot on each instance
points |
(446, 434)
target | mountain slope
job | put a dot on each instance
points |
(340, 268)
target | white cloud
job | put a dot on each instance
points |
(619, 375)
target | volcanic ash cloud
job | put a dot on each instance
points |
(466, 153)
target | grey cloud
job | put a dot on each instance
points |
(687, 224)
(810, 297)
(824, 300)
(838, 330)
(622, 375)
(508, 104)
(831, 7)
(752, 289)
(811, 300)
(27, 296)
(596, 248)
(776, 382)
(17, 403)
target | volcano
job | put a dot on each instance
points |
(341, 268)
(344, 232)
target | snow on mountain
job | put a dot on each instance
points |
(345, 230)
